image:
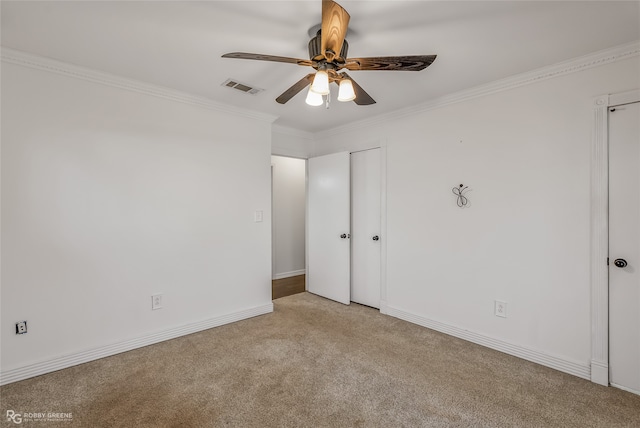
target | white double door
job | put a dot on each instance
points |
(624, 247)
(343, 227)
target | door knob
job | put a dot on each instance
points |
(376, 238)
(620, 263)
(345, 236)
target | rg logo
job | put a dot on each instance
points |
(13, 416)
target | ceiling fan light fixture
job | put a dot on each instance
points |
(314, 99)
(320, 83)
(346, 92)
(328, 49)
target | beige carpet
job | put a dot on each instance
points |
(316, 363)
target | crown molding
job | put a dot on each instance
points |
(596, 59)
(37, 62)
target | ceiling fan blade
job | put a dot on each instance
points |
(261, 57)
(399, 63)
(297, 87)
(362, 98)
(335, 21)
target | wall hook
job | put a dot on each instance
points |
(461, 200)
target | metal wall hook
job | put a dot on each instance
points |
(461, 200)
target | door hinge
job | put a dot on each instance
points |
(607, 261)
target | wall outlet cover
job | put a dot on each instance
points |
(156, 301)
(21, 327)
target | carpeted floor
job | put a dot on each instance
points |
(316, 363)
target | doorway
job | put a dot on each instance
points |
(601, 254)
(288, 205)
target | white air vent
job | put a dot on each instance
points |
(243, 87)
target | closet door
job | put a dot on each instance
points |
(365, 227)
(328, 233)
(624, 247)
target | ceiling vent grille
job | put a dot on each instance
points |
(243, 87)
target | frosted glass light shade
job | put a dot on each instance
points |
(320, 83)
(314, 99)
(346, 92)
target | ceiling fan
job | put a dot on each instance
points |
(328, 55)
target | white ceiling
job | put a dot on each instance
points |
(178, 44)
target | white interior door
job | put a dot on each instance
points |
(624, 247)
(365, 227)
(328, 218)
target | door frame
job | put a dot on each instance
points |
(382, 145)
(600, 232)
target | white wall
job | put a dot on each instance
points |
(289, 205)
(524, 238)
(291, 142)
(110, 196)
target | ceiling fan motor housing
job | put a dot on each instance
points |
(315, 53)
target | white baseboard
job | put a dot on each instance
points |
(384, 309)
(66, 361)
(624, 388)
(599, 373)
(558, 363)
(289, 274)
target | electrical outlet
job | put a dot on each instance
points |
(156, 302)
(21, 327)
(501, 308)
